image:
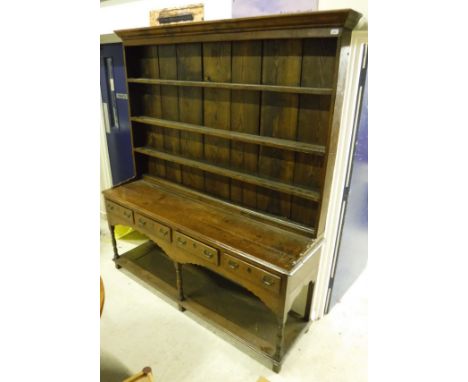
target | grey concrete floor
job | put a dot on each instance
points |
(141, 328)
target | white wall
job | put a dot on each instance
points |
(124, 14)
(249, 8)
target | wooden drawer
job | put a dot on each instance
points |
(196, 248)
(251, 273)
(152, 227)
(117, 210)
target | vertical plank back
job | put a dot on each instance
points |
(189, 67)
(216, 112)
(318, 65)
(245, 116)
(281, 66)
(305, 116)
(149, 67)
(170, 107)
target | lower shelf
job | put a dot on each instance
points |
(224, 304)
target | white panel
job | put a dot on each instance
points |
(346, 131)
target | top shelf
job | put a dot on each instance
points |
(234, 86)
(245, 28)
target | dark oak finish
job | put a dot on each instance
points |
(270, 219)
(241, 117)
(252, 179)
(216, 107)
(189, 67)
(316, 24)
(245, 317)
(206, 222)
(281, 66)
(234, 130)
(245, 113)
(170, 108)
(234, 86)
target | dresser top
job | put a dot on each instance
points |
(237, 233)
(343, 18)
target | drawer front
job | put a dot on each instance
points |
(196, 248)
(251, 273)
(152, 227)
(117, 210)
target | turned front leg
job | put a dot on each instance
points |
(279, 343)
(180, 287)
(114, 245)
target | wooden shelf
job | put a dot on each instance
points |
(252, 179)
(233, 135)
(234, 86)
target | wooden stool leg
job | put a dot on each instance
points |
(310, 293)
(180, 288)
(114, 245)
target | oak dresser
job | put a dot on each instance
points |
(234, 133)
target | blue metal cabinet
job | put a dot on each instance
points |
(115, 103)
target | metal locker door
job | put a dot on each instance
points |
(115, 106)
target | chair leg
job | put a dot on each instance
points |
(180, 288)
(114, 245)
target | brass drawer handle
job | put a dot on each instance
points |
(164, 232)
(142, 222)
(207, 254)
(232, 264)
(127, 214)
(267, 281)
(111, 207)
(181, 242)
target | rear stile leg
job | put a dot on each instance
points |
(310, 293)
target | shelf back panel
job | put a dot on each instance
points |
(305, 118)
